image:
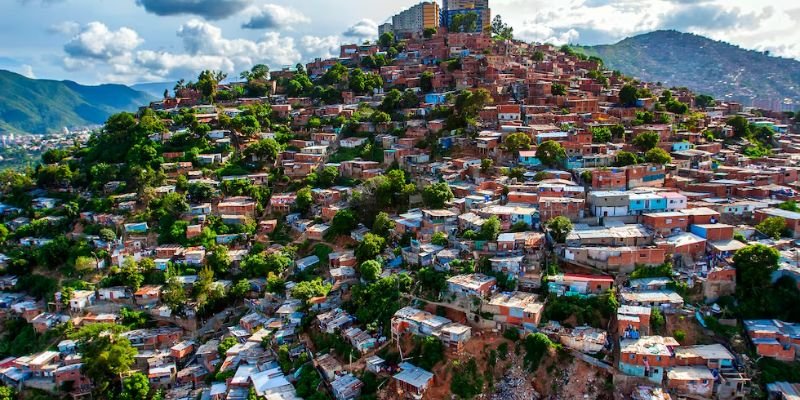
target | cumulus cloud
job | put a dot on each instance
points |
(208, 9)
(710, 17)
(362, 30)
(273, 16)
(117, 56)
(323, 47)
(96, 41)
(70, 28)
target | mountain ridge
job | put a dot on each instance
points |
(704, 65)
(41, 106)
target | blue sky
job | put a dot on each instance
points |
(129, 41)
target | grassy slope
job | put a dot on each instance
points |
(41, 106)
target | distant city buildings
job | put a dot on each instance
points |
(451, 8)
(413, 20)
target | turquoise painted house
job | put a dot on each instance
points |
(528, 159)
(643, 203)
(681, 146)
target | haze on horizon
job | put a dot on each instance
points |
(134, 41)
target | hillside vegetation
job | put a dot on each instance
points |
(703, 65)
(42, 106)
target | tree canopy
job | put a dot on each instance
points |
(551, 153)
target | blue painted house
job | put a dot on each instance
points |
(643, 203)
(528, 158)
(436, 98)
(681, 146)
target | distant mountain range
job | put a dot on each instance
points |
(155, 89)
(43, 106)
(705, 66)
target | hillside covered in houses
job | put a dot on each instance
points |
(445, 212)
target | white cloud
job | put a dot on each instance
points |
(70, 28)
(202, 38)
(97, 41)
(364, 29)
(273, 16)
(323, 47)
(26, 70)
(204, 47)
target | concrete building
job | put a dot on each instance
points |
(647, 357)
(451, 8)
(416, 19)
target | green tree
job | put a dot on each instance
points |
(208, 81)
(218, 259)
(7, 393)
(386, 40)
(657, 156)
(772, 227)
(225, 345)
(85, 264)
(740, 125)
(439, 239)
(516, 142)
(625, 158)
(551, 153)
(536, 345)
(105, 354)
(557, 89)
(129, 274)
(467, 22)
(467, 380)
(559, 227)
(105, 234)
(327, 177)
(173, 295)
(520, 226)
(426, 81)
(343, 222)
(657, 320)
(486, 165)
(467, 105)
(308, 289)
(789, 205)
(383, 225)
(601, 135)
(275, 284)
(617, 131)
(490, 228)
(264, 150)
(370, 270)
(436, 195)
(240, 289)
(703, 101)
(370, 247)
(135, 387)
(754, 267)
(646, 140)
(628, 95)
(501, 30)
(304, 200)
(380, 117)
(428, 33)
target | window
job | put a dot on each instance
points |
(632, 356)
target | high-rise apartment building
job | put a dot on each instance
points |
(451, 8)
(417, 18)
